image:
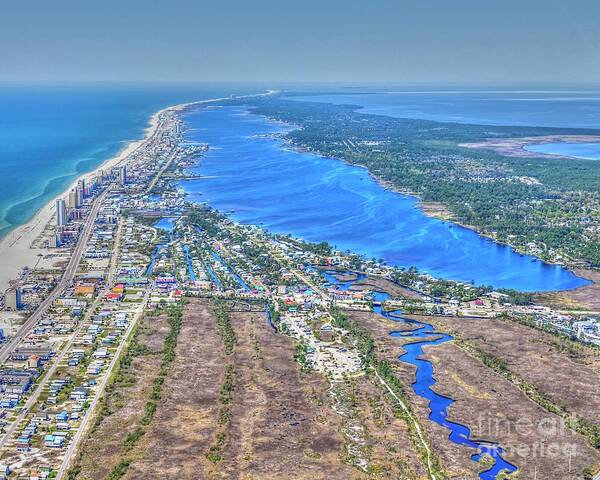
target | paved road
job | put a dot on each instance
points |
(160, 172)
(83, 324)
(38, 388)
(112, 269)
(70, 271)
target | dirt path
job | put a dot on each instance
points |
(491, 406)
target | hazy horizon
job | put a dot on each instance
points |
(337, 86)
(403, 42)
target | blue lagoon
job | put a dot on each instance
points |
(585, 151)
(257, 179)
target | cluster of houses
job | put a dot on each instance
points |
(324, 351)
(102, 237)
(66, 395)
(585, 329)
(19, 372)
(90, 317)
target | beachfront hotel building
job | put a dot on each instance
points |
(61, 213)
(12, 299)
(74, 200)
(123, 175)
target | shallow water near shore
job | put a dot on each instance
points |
(585, 151)
(51, 134)
(258, 180)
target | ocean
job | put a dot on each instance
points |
(51, 134)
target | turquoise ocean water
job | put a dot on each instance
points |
(51, 134)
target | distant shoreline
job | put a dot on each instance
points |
(567, 150)
(431, 209)
(517, 147)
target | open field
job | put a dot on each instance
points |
(382, 284)
(536, 441)
(185, 420)
(454, 458)
(586, 298)
(567, 372)
(279, 424)
(285, 423)
(389, 447)
(282, 422)
(123, 404)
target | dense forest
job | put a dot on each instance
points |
(544, 206)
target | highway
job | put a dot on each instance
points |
(63, 284)
(31, 401)
(65, 280)
(8, 346)
(160, 172)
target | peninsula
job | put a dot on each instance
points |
(103, 360)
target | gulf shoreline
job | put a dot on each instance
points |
(16, 251)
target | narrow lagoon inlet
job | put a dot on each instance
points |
(421, 334)
(252, 176)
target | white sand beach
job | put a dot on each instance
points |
(16, 250)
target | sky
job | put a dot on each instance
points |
(371, 41)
